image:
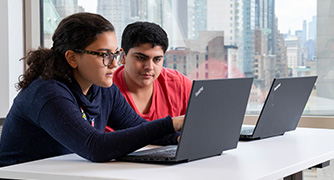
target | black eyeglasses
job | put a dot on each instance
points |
(108, 58)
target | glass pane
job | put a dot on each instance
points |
(211, 39)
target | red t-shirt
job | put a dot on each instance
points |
(170, 93)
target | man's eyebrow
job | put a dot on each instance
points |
(141, 54)
(146, 56)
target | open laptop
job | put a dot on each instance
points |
(212, 123)
(282, 108)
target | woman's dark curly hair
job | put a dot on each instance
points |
(76, 31)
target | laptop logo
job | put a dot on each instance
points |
(199, 91)
(278, 85)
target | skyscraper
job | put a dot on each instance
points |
(293, 53)
(304, 34)
(66, 8)
(117, 12)
(197, 17)
(221, 17)
(265, 21)
(245, 39)
(312, 29)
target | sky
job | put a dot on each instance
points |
(290, 13)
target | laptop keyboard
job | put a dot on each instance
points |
(160, 152)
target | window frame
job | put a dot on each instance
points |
(33, 40)
(32, 24)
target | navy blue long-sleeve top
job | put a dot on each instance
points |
(46, 120)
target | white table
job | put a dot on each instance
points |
(266, 159)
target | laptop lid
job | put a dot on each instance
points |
(283, 106)
(212, 123)
(214, 117)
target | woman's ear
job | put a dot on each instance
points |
(72, 58)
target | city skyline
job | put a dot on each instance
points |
(270, 53)
(290, 13)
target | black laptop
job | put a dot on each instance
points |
(282, 108)
(212, 122)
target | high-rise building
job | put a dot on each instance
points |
(303, 50)
(118, 12)
(245, 37)
(221, 17)
(171, 15)
(66, 8)
(312, 29)
(311, 38)
(281, 66)
(197, 17)
(270, 58)
(310, 45)
(186, 60)
(293, 54)
(265, 21)
(304, 35)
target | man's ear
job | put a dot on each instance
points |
(72, 58)
(122, 61)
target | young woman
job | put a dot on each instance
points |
(67, 99)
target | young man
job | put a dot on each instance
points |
(152, 90)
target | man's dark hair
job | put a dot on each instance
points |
(139, 33)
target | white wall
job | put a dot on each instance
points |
(11, 50)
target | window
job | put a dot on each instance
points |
(231, 42)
